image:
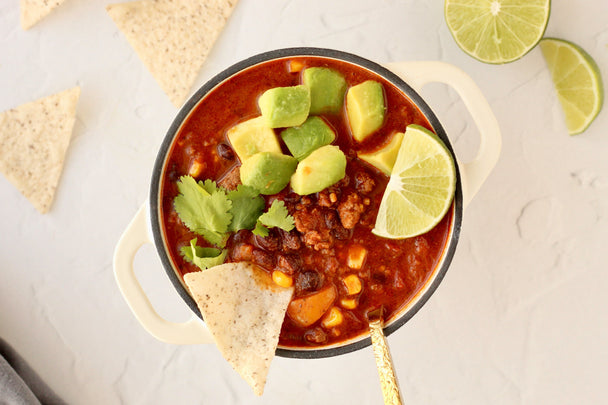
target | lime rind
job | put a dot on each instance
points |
(577, 80)
(421, 187)
(497, 31)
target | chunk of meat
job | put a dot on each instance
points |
(350, 210)
(364, 183)
(327, 198)
(310, 222)
(231, 179)
(307, 310)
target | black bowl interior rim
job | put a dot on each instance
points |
(189, 106)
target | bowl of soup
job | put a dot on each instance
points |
(329, 254)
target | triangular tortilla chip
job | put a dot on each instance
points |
(33, 11)
(244, 310)
(172, 38)
(34, 138)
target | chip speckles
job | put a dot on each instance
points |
(34, 138)
(172, 38)
(244, 312)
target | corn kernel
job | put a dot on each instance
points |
(282, 279)
(356, 256)
(348, 303)
(352, 283)
(295, 66)
(333, 318)
(196, 168)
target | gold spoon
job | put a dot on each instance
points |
(384, 362)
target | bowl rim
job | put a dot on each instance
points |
(421, 297)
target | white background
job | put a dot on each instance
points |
(521, 317)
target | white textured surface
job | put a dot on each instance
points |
(521, 317)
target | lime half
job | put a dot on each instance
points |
(577, 81)
(497, 31)
(420, 189)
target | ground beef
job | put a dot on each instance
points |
(350, 209)
(364, 183)
(231, 179)
(310, 222)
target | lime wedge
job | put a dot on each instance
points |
(420, 189)
(497, 31)
(577, 80)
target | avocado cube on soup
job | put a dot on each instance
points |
(311, 135)
(268, 172)
(365, 107)
(384, 159)
(327, 88)
(252, 136)
(322, 168)
(285, 106)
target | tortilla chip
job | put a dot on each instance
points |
(33, 11)
(244, 311)
(34, 138)
(172, 38)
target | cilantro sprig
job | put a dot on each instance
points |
(276, 216)
(203, 257)
(204, 209)
(210, 211)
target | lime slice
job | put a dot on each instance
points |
(420, 189)
(577, 80)
(497, 31)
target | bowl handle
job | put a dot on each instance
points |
(419, 73)
(134, 237)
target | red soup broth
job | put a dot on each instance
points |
(316, 253)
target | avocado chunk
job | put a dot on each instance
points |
(285, 106)
(327, 88)
(252, 136)
(384, 159)
(365, 108)
(321, 169)
(311, 135)
(268, 172)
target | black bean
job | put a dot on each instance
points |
(225, 151)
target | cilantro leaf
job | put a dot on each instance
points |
(203, 257)
(209, 186)
(277, 215)
(203, 212)
(247, 205)
(260, 230)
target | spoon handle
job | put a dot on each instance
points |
(388, 379)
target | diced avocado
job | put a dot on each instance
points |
(268, 172)
(384, 159)
(285, 106)
(327, 89)
(321, 169)
(311, 135)
(253, 136)
(365, 108)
